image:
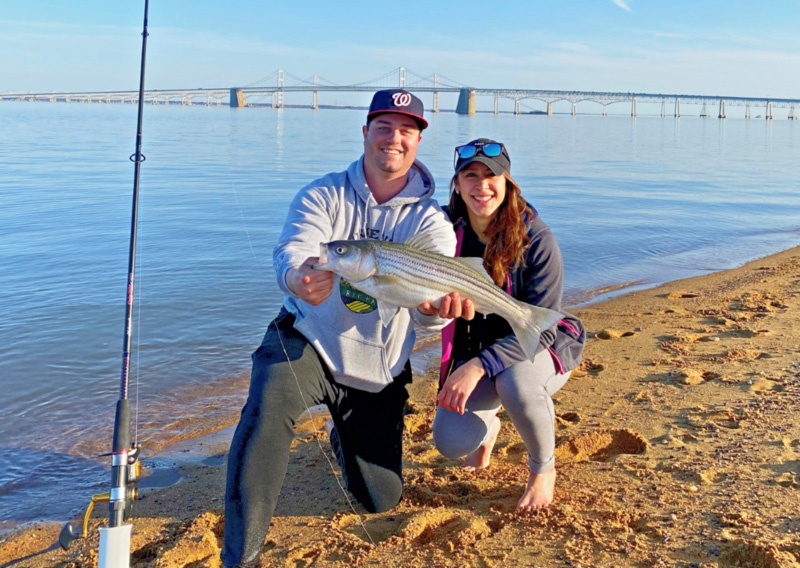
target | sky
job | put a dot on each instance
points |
(731, 47)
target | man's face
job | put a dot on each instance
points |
(390, 144)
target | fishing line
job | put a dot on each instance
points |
(332, 468)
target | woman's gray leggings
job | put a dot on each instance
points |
(524, 390)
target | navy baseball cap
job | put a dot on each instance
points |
(398, 101)
(489, 152)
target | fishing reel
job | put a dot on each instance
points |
(71, 532)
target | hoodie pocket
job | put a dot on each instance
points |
(353, 360)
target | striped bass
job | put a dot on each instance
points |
(404, 275)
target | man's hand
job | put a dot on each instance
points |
(308, 284)
(460, 384)
(450, 307)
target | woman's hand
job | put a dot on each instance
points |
(459, 385)
(450, 307)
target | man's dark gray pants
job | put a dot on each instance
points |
(369, 428)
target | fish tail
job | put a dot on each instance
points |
(529, 327)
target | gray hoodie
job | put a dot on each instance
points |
(346, 329)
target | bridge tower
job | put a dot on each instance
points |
(496, 103)
(549, 108)
(769, 110)
(633, 107)
(435, 93)
(516, 106)
(237, 98)
(704, 111)
(401, 79)
(721, 108)
(466, 102)
(677, 107)
(574, 108)
(277, 96)
(315, 96)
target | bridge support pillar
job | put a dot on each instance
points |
(747, 111)
(633, 107)
(792, 112)
(496, 104)
(516, 106)
(769, 110)
(677, 108)
(549, 109)
(237, 98)
(663, 108)
(721, 109)
(315, 96)
(704, 110)
(466, 102)
(435, 93)
(605, 109)
(574, 108)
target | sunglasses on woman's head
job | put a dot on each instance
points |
(488, 149)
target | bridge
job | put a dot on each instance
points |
(272, 90)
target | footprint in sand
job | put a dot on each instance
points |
(372, 528)
(745, 333)
(787, 471)
(516, 453)
(588, 366)
(567, 418)
(691, 377)
(680, 295)
(613, 334)
(601, 445)
(754, 554)
(446, 529)
(197, 545)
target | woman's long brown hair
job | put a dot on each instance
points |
(506, 235)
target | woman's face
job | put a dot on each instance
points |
(481, 190)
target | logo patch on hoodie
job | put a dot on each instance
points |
(356, 301)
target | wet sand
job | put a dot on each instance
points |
(678, 444)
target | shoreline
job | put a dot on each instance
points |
(685, 368)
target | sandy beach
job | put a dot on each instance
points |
(678, 444)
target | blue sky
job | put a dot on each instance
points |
(712, 47)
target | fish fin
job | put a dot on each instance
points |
(422, 241)
(387, 312)
(529, 328)
(476, 264)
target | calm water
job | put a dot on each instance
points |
(637, 201)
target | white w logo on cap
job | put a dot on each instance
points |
(401, 99)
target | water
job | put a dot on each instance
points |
(631, 201)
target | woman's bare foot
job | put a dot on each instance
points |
(482, 457)
(539, 492)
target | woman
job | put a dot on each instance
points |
(483, 365)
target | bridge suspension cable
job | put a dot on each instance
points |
(261, 82)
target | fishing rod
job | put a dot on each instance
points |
(114, 551)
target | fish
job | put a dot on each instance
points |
(404, 275)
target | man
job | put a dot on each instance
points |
(328, 344)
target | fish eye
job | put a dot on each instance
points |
(341, 249)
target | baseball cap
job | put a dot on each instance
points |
(489, 152)
(398, 101)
